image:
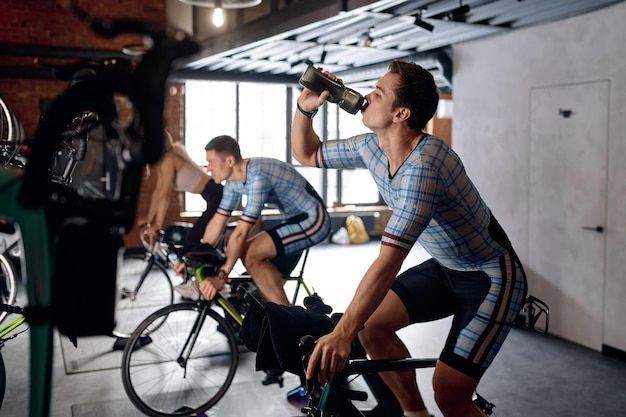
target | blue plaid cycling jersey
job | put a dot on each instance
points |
(432, 199)
(269, 183)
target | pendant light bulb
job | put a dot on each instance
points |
(218, 14)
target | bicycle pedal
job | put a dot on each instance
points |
(483, 405)
(310, 411)
(121, 342)
(126, 293)
(297, 394)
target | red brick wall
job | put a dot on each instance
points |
(48, 23)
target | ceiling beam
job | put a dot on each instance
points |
(275, 24)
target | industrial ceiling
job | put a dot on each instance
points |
(357, 39)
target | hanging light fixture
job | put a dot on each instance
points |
(218, 14)
(218, 7)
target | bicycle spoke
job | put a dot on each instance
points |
(137, 299)
(161, 381)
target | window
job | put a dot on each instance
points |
(262, 127)
(259, 116)
(210, 110)
(355, 186)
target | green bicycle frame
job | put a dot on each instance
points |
(12, 326)
(333, 403)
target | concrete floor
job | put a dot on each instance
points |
(534, 374)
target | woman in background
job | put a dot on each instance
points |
(176, 170)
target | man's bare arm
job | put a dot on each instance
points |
(304, 140)
(236, 244)
(214, 229)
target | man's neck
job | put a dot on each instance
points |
(399, 145)
(239, 171)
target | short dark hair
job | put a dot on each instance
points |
(224, 145)
(417, 91)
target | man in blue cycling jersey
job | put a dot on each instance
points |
(265, 183)
(474, 274)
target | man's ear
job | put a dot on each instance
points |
(402, 114)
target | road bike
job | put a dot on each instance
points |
(339, 398)
(145, 279)
(182, 359)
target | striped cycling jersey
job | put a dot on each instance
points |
(432, 199)
(269, 183)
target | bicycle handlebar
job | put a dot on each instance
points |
(147, 241)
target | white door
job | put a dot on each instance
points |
(567, 216)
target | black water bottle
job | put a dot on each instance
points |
(345, 97)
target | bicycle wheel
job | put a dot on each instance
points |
(137, 301)
(3, 379)
(185, 366)
(8, 284)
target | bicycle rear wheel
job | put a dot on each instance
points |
(135, 302)
(8, 283)
(185, 366)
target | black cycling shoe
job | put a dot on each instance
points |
(273, 377)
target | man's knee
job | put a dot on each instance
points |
(383, 324)
(453, 389)
(447, 399)
(374, 333)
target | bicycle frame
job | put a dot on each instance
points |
(14, 324)
(232, 311)
(337, 400)
(228, 308)
(132, 294)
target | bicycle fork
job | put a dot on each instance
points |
(187, 348)
(132, 294)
